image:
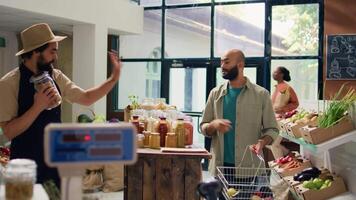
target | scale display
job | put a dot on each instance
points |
(90, 143)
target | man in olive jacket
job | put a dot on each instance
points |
(237, 114)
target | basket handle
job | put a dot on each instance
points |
(252, 154)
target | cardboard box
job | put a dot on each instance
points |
(291, 172)
(291, 183)
(337, 187)
(282, 123)
(315, 135)
(293, 129)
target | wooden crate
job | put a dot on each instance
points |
(315, 135)
(158, 175)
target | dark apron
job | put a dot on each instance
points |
(30, 143)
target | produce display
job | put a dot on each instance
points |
(337, 109)
(317, 184)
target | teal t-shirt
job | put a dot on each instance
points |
(229, 113)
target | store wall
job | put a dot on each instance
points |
(8, 60)
(65, 64)
(340, 18)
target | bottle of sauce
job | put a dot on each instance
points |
(135, 121)
(162, 129)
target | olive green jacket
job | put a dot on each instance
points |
(254, 119)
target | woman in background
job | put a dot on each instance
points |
(284, 98)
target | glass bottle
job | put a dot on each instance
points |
(188, 126)
(162, 129)
(180, 132)
(135, 121)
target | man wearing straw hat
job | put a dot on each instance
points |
(24, 112)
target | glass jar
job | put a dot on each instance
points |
(171, 140)
(146, 142)
(140, 140)
(43, 81)
(180, 132)
(148, 104)
(154, 141)
(162, 129)
(20, 177)
(188, 126)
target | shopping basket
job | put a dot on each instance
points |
(253, 182)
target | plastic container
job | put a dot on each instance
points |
(20, 177)
(43, 81)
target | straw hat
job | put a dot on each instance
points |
(36, 36)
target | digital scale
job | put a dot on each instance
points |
(73, 147)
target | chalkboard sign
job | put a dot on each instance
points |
(341, 57)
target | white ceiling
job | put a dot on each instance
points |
(17, 20)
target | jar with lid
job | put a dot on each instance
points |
(180, 132)
(140, 140)
(154, 141)
(43, 81)
(171, 140)
(20, 177)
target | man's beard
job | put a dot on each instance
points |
(44, 66)
(231, 74)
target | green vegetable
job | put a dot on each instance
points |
(134, 102)
(83, 118)
(336, 110)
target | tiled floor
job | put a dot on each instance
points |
(120, 195)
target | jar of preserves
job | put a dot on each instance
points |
(171, 140)
(146, 142)
(154, 140)
(43, 81)
(140, 140)
(20, 177)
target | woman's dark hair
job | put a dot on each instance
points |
(285, 72)
(39, 49)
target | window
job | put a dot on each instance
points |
(141, 46)
(304, 77)
(240, 26)
(146, 82)
(187, 88)
(188, 32)
(296, 28)
(185, 30)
